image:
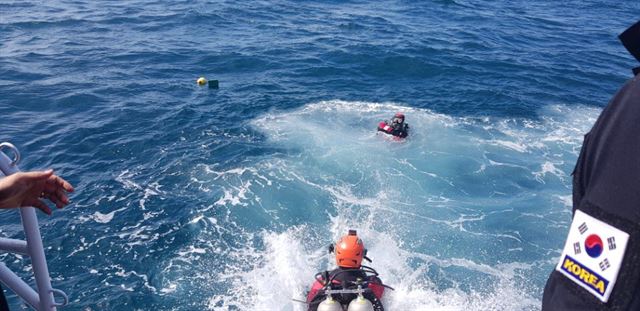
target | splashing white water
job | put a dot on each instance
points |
(456, 218)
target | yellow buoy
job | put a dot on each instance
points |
(201, 81)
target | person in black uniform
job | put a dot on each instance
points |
(606, 188)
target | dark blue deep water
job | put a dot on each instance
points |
(190, 198)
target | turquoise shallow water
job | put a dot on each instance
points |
(192, 199)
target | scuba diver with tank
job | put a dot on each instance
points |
(351, 286)
(396, 127)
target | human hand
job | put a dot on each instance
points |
(29, 188)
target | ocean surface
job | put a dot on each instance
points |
(190, 198)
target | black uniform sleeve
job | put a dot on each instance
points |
(606, 185)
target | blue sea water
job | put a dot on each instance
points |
(190, 198)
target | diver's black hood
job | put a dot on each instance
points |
(631, 40)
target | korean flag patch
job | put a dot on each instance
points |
(592, 255)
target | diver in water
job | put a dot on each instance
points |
(599, 267)
(397, 127)
(350, 274)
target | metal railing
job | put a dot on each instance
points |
(42, 299)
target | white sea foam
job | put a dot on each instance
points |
(443, 215)
(103, 218)
(284, 271)
(548, 168)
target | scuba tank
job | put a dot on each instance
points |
(360, 303)
(329, 304)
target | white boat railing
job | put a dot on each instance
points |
(42, 299)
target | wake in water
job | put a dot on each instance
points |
(457, 218)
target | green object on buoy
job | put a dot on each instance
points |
(213, 84)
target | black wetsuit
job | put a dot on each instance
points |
(345, 278)
(400, 129)
(606, 186)
(397, 129)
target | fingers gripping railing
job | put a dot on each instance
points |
(43, 298)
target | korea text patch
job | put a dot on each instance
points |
(592, 255)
